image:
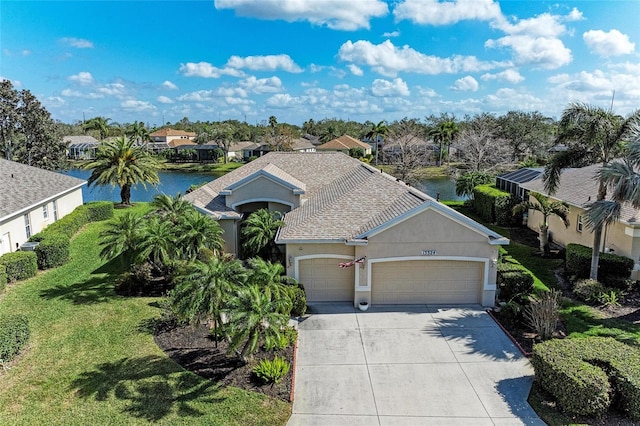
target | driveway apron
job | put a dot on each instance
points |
(408, 365)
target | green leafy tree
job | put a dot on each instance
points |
(255, 318)
(547, 208)
(468, 181)
(98, 124)
(28, 134)
(203, 289)
(120, 162)
(259, 233)
(222, 133)
(527, 133)
(593, 135)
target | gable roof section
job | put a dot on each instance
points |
(578, 187)
(174, 143)
(272, 172)
(342, 143)
(84, 139)
(171, 132)
(22, 187)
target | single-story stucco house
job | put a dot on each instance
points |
(343, 144)
(31, 199)
(81, 147)
(396, 244)
(577, 188)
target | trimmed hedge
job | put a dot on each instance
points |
(19, 265)
(578, 259)
(298, 300)
(493, 205)
(3, 277)
(53, 251)
(513, 279)
(14, 334)
(99, 210)
(586, 375)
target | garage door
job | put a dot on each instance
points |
(427, 281)
(324, 281)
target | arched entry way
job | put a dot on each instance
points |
(246, 208)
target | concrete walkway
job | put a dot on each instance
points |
(408, 365)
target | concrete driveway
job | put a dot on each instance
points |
(408, 365)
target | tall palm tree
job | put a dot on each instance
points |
(138, 132)
(443, 134)
(121, 237)
(593, 135)
(255, 317)
(198, 231)
(203, 289)
(377, 131)
(271, 278)
(99, 124)
(120, 162)
(547, 208)
(171, 207)
(259, 233)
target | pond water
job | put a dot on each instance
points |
(171, 183)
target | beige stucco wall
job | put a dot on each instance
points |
(263, 189)
(230, 236)
(13, 230)
(301, 250)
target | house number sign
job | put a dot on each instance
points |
(429, 252)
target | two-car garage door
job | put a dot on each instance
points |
(426, 281)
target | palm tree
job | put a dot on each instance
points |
(444, 133)
(376, 131)
(330, 133)
(171, 207)
(203, 289)
(259, 233)
(271, 278)
(158, 243)
(593, 135)
(99, 124)
(547, 208)
(255, 317)
(198, 231)
(120, 162)
(121, 237)
(138, 132)
(466, 183)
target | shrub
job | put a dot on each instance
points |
(287, 338)
(70, 224)
(611, 266)
(52, 251)
(272, 371)
(298, 301)
(586, 375)
(19, 265)
(14, 334)
(513, 279)
(3, 277)
(99, 210)
(609, 298)
(543, 312)
(588, 290)
(493, 205)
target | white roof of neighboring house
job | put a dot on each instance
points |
(22, 187)
(345, 199)
(240, 146)
(578, 187)
(80, 140)
(300, 144)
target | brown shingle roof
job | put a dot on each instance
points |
(23, 186)
(342, 143)
(171, 132)
(579, 187)
(173, 143)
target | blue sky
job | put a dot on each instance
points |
(294, 59)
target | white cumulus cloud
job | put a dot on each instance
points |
(265, 63)
(169, 85)
(206, 70)
(388, 59)
(261, 85)
(83, 78)
(545, 52)
(434, 12)
(345, 15)
(465, 84)
(135, 105)
(510, 76)
(79, 43)
(391, 34)
(77, 94)
(612, 43)
(385, 88)
(355, 70)
(164, 100)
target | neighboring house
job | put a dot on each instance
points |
(511, 182)
(578, 187)
(411, 248)
(31, 199)
(81, 147)
(303, 145)
(243, 150)
(167, 135)
(343, 144)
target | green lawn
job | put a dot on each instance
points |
(91, 361)
(213, 168)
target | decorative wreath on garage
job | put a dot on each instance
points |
(353, 262)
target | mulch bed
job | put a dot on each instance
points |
(194, 348)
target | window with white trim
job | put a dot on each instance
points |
(55, 210)
(45, 211)
(27, 225)
(579, 223)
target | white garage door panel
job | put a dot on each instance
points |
(427, 281)
(325, 281)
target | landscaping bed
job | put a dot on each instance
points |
(195, 349)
